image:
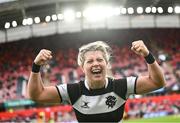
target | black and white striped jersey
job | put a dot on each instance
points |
(99, 105)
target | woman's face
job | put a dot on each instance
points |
(95, 66)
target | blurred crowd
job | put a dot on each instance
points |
(153, 107)
(17, 57)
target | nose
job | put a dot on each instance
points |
(95, 63)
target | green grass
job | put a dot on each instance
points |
(166, 119)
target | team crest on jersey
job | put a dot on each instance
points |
(111, 101)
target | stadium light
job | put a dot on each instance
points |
(108, 11)
(47, 18)
(160, 10)
(29, 21)
(94, 13)
(123, 10)
(154, 9)
(170, 9)
(148, 9)
(116, 11)
(37, 20)
(14, 23)
(130, 10)
(85, 13)
(60, 16)
(139, 10)
(78, 14)
(54, 17)
(69, 15)
(177, 9)
(7, 25)
(24, 22)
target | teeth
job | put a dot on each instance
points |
(96, 70)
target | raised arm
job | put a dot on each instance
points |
(155, 79)
(36, 90)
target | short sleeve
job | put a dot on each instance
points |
(63, 93)
(131, 85)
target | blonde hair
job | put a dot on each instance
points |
(94, 46)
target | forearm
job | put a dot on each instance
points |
(35, 85)
(155, 79)
(36, 89)
(156, 74)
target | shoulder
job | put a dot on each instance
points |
(75, 90)
(124, 86)
(119, 81)
(118, 86)
(77, 85)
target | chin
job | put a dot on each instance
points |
(98, 78)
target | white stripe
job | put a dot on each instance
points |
(130, 85)
(63, 92)
(97, 104)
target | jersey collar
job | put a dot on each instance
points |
(87, 86)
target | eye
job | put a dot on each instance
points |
(99, 59)
(89, 61)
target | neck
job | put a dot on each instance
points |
(96, 84)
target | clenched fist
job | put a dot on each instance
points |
(43, 56)
(140, 48)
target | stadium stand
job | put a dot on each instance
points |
(17, 57)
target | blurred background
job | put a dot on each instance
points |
(62, 26)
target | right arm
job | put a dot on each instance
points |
(36, 89)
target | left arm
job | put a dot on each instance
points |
(155, 79)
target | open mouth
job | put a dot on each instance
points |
(96, 71)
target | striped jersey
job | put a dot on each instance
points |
(98, 105)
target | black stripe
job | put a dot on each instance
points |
(135, 85)
(114, 116)
(120, 86)
(74, 91)
(59, 93)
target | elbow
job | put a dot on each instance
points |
(164, 83)
(161, 83)
(34, 98)
(159, 80)
(30, 97)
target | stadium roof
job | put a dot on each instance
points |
(17, 10)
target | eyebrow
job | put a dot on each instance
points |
(92, 59)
